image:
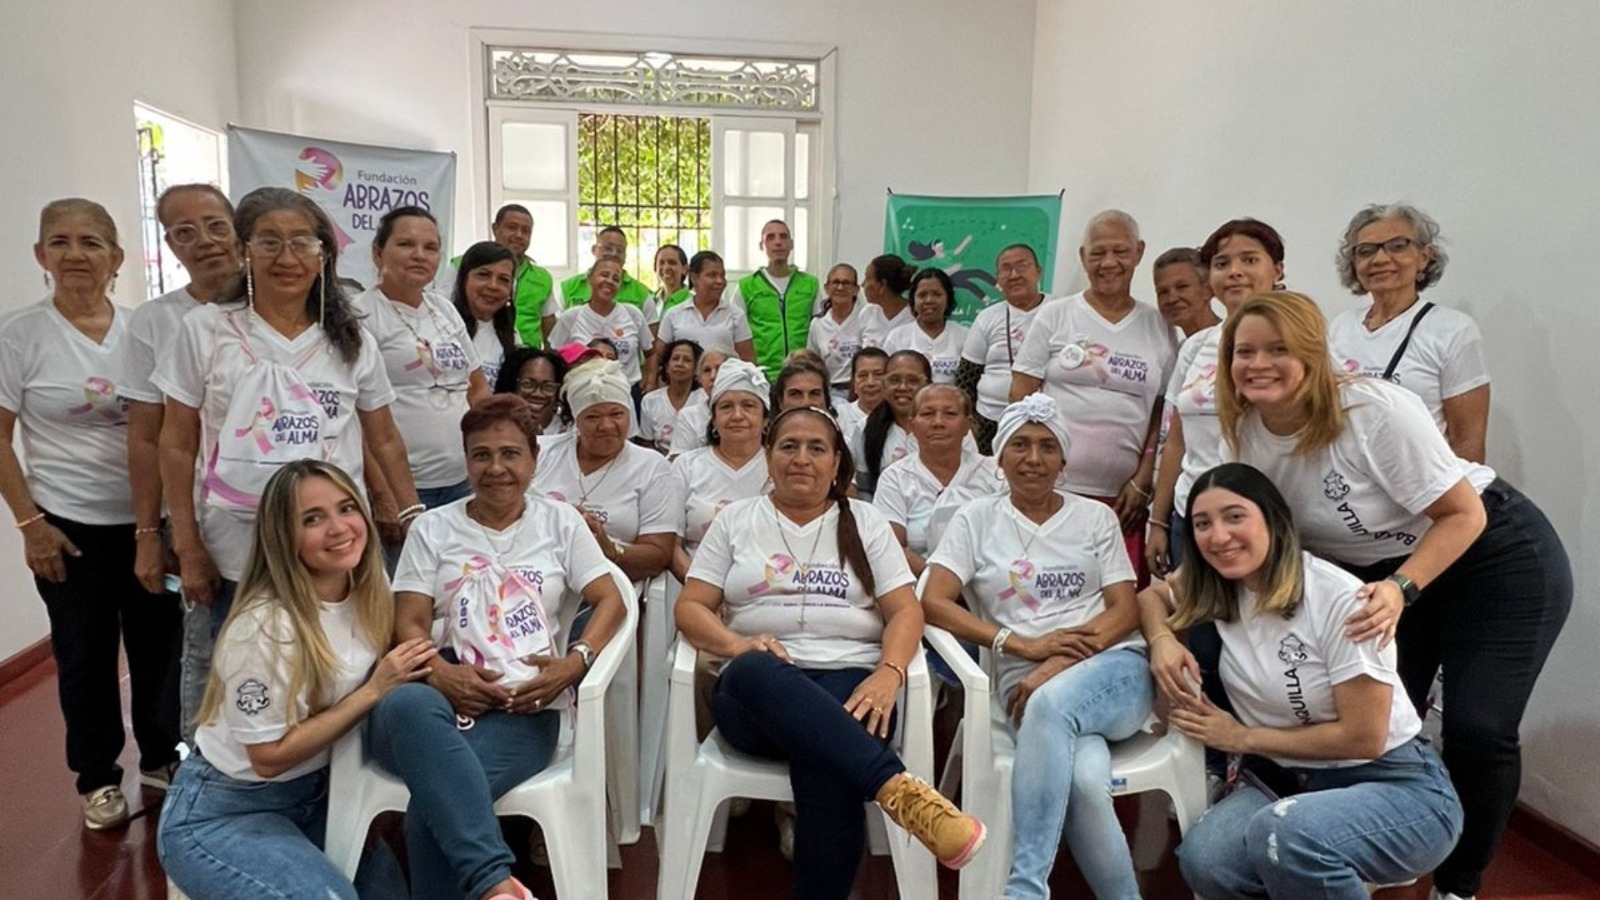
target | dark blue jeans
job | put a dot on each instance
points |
(768, 708)
(1488, 622)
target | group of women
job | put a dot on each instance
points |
(1315, 501)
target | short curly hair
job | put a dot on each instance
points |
(1426, 234)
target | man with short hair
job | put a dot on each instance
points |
(778, 300)
(533, 291)
(611, 243)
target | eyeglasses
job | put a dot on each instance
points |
(1393, 247)
(305, 246)
(532, 386)
(184, 235)
(841, 283)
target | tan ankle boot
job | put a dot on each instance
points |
(952, 836)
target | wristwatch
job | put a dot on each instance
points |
(584, 651)
(1408, 588)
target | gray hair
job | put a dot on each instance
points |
(1425, 233)
(1111, 217)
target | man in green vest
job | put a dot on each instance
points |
(611, 243)
(778, 300)
(532, 289)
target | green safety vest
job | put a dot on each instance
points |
(778, 324)
(530, 288)
(575, 291)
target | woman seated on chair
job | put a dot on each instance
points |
(1047, 579)
(1322, 719)
(807, 595)
(733, 466)
(292, 672)
(504, 571)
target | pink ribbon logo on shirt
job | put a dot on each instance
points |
(780, 564)
(259, 424)
(100, 397)
(1202, 388)
(1020, 574)
(425, 358)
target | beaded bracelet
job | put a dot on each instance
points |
(24, 523)
(998, 645)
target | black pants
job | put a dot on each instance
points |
(1488, 622)
(100, 603)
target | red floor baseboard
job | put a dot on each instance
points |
(1555, 839)
(22, 661)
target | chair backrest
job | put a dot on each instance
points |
(589, 741)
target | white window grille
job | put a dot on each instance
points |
(651, 78)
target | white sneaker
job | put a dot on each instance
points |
(105, 808)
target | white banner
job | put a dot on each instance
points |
(354, 183)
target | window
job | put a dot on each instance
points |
(171, 151)
(650, 176)
(763, 172)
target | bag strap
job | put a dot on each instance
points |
(1388, 373)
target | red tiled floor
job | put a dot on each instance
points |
(45, 854)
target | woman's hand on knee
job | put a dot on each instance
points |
(407, 662)
(764, 643)
(1017, 703)
(873, 700)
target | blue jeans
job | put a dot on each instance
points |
(769, 708)
(221, 605)
(1383, 822)
(452, 837)
(195, 667)
(221, 838)
(1061, 779)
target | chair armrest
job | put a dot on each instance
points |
(683, 658)
(589, 737)
(972, 676)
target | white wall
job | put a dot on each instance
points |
(933, 94)
(1187, 115)
(72, 71)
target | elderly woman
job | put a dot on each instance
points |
(1183, 290)
(933, 302)
(1050, 589)
(427, 351)
(1365, 801)
(885, 282)
(835, 335)
(504, 570)
(1479, 573)
(622, 489)
(601, 316)
(995, 337)
(659, 409)
(804, 595)
(535, 375)
(1392, 251)
(300, 661)
(60, 366)
(919, 493)
(482, 298)
(706, 319)
(1106, 359)
(731, 467)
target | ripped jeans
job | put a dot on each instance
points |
(1383, 822)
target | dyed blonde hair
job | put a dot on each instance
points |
(1203, 594)
(1305, 334)
(56, 210)
(275, 576)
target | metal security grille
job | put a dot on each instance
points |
(650, 176)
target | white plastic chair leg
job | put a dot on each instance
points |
(950, 778)
(717, 837)
(622, 750)
(659, 634)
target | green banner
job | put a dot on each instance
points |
(963, 235)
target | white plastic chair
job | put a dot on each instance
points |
(703, 777)
(659, 632)
(984, 749)
(623, 774)
(567, 798)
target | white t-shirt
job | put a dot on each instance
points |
(252, 659)
(204, 367)
(836, 342)
(631, 495)
(485, 583)
(152, 327)
(657, 418)
(1360, 500)
(793, 585)
(942, 352)
(1033, 578)
(490, 353)
(689, 431)
(1443, 360)
(1192, 395)
(993, 342)
(851, 418)
(429, 358)
(65, 390)
(909, 495)
(1280, 673)
(875, 326)
(898, 444)
(709, 485)
(724, 328)
(1106, 378)
(624, 326)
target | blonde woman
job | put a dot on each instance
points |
(292, 672)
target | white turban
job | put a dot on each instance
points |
(738, 375)
(1036, 409)
(597, 381)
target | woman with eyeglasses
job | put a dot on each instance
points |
(278, 369)
(984, 371)
(1392, 252)
(931, 333)
(535, 374)
(482, 298)
(836, 334)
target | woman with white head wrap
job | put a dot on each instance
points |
(731, 467)
(1050, 589)
(621, 488)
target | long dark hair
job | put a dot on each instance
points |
(875, 433)
(486, 253)
(851, 549)
(326, 301)
(1206, 595)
